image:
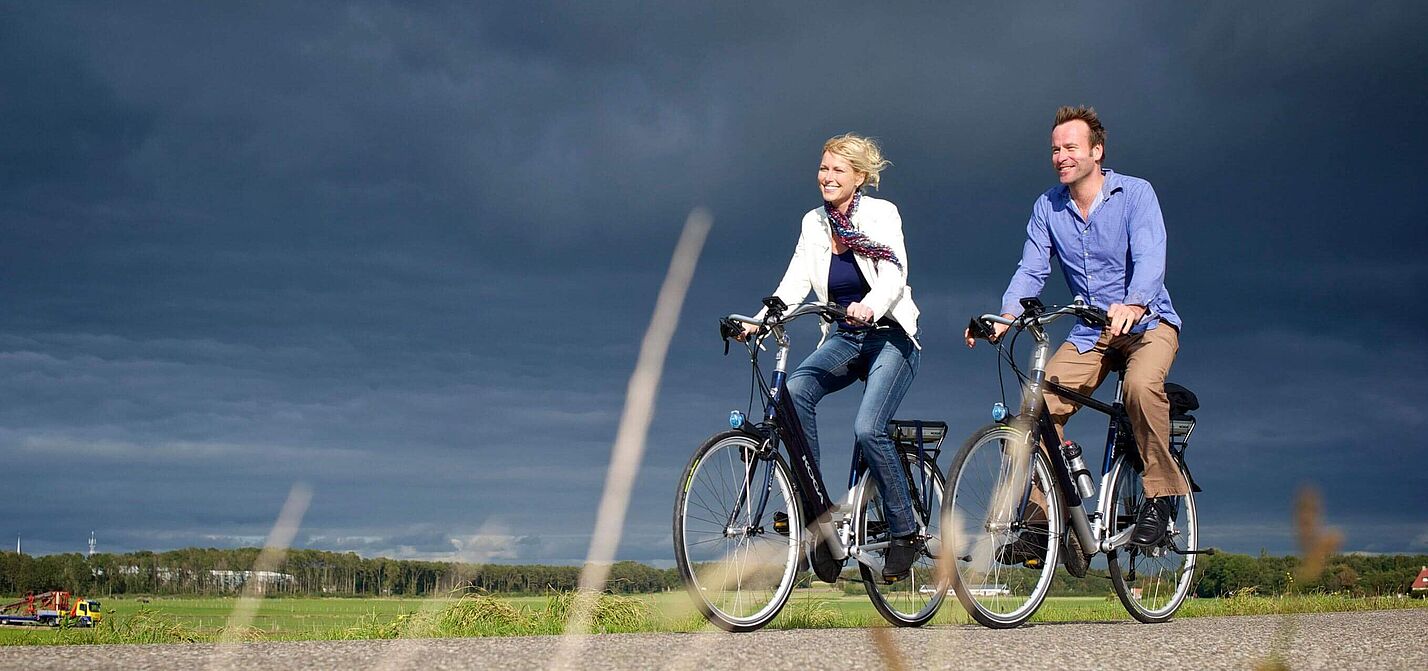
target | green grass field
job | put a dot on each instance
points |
(204, 619)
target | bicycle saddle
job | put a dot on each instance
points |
(1115, 360)
(1182, 400)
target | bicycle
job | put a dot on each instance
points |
(1008, 506)
(744, 521)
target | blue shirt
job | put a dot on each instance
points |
(1117, 256)
(846, 285)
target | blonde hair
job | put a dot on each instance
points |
(862, 152)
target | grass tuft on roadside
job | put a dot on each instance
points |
(473, 614)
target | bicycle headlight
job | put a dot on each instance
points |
(999, 412)
(736, 419)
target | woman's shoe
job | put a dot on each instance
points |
(902, 551)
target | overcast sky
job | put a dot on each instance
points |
(405, 254)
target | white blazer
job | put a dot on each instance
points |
(889, 295)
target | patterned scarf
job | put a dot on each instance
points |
(854, 238)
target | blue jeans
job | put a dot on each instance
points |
(887, 360)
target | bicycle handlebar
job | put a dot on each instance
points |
(731, 326)
(1034, 314)
(830, 311)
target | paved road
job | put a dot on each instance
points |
(1376, 640)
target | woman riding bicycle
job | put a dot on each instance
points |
(850, 251)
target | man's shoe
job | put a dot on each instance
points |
(1028, 549)
(824, 565)
(902, 551)
(1153, 521)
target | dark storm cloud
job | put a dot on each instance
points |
(404, 254)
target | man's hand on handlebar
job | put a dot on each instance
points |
(1123, 317)
(998, 330)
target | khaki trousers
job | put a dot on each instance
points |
(1148, 357)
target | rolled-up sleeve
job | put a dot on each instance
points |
(1035, 266)
(1147, 248)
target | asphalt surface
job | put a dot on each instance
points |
(1373, 640)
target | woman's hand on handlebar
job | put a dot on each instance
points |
(748, 332)
(860, 314)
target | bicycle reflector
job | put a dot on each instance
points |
(736, 419)
(999, 411)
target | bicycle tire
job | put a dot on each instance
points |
(986, 532)
(739, 580)
(1164, 577)
(904, 603)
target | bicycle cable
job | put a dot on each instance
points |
(1001, 383)
(1010, 355)
(756, 378)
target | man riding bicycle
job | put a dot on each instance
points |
(1107, 231)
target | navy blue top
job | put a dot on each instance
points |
(846, 285)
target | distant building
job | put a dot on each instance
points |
(263, 579)
(975, 590)
(225, 580)
(1420, 584)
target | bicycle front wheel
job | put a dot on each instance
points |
(913, 601)
(1151, 582)
(737, 525)
(1003, 520)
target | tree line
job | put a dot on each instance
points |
(1227, 574)
(211, 571)
(1355, 574)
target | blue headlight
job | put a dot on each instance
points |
(999, 412)
(736, 419)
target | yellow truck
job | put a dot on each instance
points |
(51, 609)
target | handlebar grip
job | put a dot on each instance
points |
(834, 312)
(1095, 316)
(729, 328)
(980, 329)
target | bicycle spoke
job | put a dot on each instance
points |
(903, 603)
(1151, 587)
(738, 569)
(1002, 568)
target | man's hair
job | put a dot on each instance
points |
(1088, 115)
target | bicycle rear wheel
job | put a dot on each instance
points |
(913, 601)
(1151, 582)
(1003, 520)
(739, 562)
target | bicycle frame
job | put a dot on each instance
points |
(781, 425)
(1089, 529)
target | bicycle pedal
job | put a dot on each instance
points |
(780, 523)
